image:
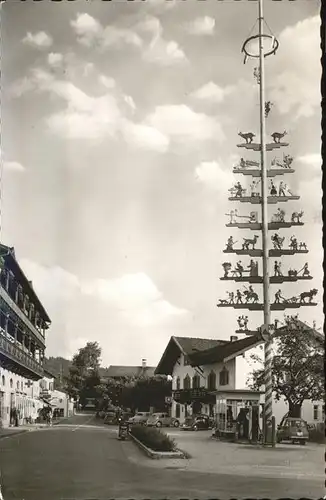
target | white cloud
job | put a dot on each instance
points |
(88, 69)
(40, 40)
(181, 122)
(21, 87)
(145, 137)
(159, 51)
(90, 32)
(201, 26)
(212, 92)
(106, 81)
(131, 103)
(313, 160)
(292, 89)
(213, 176)
(13, 166)
(136, 298)
(55, 59)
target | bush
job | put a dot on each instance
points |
(153, 438)
(317, 434)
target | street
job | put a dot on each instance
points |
(84, 459)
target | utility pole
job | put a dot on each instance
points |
(268, 346)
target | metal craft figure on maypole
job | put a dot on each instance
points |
(262, 195)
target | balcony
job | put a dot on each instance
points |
(12, 304)
(15, 359)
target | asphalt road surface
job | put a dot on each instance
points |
(85, 460)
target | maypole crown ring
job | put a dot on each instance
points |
(248, 43)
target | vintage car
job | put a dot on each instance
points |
(140, 418)
(292, 429)
(162, 420)
(196, 423)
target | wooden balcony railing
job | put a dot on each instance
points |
(16, 354)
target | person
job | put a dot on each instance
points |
(230, 243)
(239, 190)
(239, 297)
(231, 297)
(245, 320)
(239, 268)
(277, 268)
(278, 297)
(293, 243)
(273, 190)
(281, 189)
(306, 271)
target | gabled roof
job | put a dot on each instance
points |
(8, 254)
(315, 334)
(186, 346)
(226, 351)
(117, 371)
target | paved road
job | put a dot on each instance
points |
(86, 460)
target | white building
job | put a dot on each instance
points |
(199, 367)
(58, 400)
(23, 322)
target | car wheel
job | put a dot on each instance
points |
(176, 423)
(159, 424)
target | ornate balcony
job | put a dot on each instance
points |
(16, 359)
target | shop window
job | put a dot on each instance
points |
(196, 382)
(316, 412)
(212, 381)
(177, 410)
(178, 383)
(186, 382)
(224, 377)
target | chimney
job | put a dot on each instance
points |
(233, 338)
(143, 363)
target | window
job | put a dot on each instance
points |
(178, 383)
(316, 412)
(185, 360)
(22, 385)
(196, 382)
(3, 380)
(177, 410)
(11, 383)
(186, 382)
(323, 413)
(224, 377)
(212, 381)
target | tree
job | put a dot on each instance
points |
(83, 375)
(297, 367)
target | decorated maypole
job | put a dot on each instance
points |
(248, 298)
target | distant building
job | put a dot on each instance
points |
(58, 400)
(23, 323)
(123, 372)
(199, 369)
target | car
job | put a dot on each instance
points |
(110, 418)
(162, 420)
(196, 423)
(293, 429)
(140, 418)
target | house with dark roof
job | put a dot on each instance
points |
(199, 367)
(124, 372)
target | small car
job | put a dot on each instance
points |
(110, 418)
(140, 418)
(293, 429)
(162, 419)
(196, 423)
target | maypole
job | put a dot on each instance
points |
(268, 346)
(248, 298)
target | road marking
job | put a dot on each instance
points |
(81, 425)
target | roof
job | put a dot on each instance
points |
(9, 256)
(320, 337)
(186, 346)
(129, 371)
(223, 352)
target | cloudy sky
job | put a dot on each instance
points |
(119, 133)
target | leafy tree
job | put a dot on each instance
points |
(83, 375)
(297, 367)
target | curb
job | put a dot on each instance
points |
(157, 454)
(14, 433)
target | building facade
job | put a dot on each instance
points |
(60, 402)
(23, 323)
(199, 368)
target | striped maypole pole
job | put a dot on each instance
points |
(268, 351)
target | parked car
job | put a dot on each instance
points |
(162, 420)
(196, 423)
(140, 418)
(292, 429)
(110, 418)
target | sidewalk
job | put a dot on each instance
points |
(12, 431)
